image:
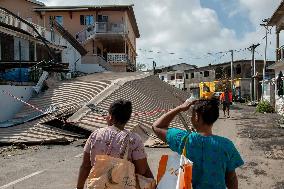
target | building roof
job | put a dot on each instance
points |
(211, 67)
(128, 8)
(171, 66)
(277, 15)
(36, 2)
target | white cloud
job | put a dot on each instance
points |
(186, 28)
(259, 9)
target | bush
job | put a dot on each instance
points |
(264, 107)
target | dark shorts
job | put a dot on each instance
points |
(226, 105)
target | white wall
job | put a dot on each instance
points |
(90, 68)
(266, 94)
(10, 106)
(72, 56)
(165, 77)
(279, 101)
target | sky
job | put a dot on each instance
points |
(196, 31)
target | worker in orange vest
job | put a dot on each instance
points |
(226, 99)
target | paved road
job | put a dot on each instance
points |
(48, 167)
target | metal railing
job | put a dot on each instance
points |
(117, 58)
(100, 28)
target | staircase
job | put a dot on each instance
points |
(69, 38)
(90, 60)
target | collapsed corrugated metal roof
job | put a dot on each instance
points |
(85, 99)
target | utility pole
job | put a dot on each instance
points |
(154, 68)
(232, 70)
(184, 79)
(253, 72)
(265, 22)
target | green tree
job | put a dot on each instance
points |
(140, 66)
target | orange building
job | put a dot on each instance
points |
(107, 32)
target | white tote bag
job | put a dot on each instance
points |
(175, 171)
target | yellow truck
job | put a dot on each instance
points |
(207, 89)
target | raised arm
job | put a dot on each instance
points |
(161, 125)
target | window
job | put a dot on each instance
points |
(238, 69)
(162, 78)
(87, 20)
(219, 72)
(180, 77)
(192, 75)
(186, 76)
(102, 18)
(172, 77)
(206, 73)
(59, 19)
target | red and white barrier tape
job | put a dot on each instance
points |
(30, 105)
(150, 113)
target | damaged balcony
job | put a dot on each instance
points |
(102, 30)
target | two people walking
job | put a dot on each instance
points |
(214, 158)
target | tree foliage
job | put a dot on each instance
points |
(140, 66)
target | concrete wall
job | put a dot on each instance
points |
(245, 85)
(72, 56)
(199, 77)
(130, 31)
(89, 64)
(118, 67)
(90, 68)
(9, 106)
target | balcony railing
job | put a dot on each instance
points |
(117, 58)
(280, 53)
(52, 37)
(100, 28)
(12, 21)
